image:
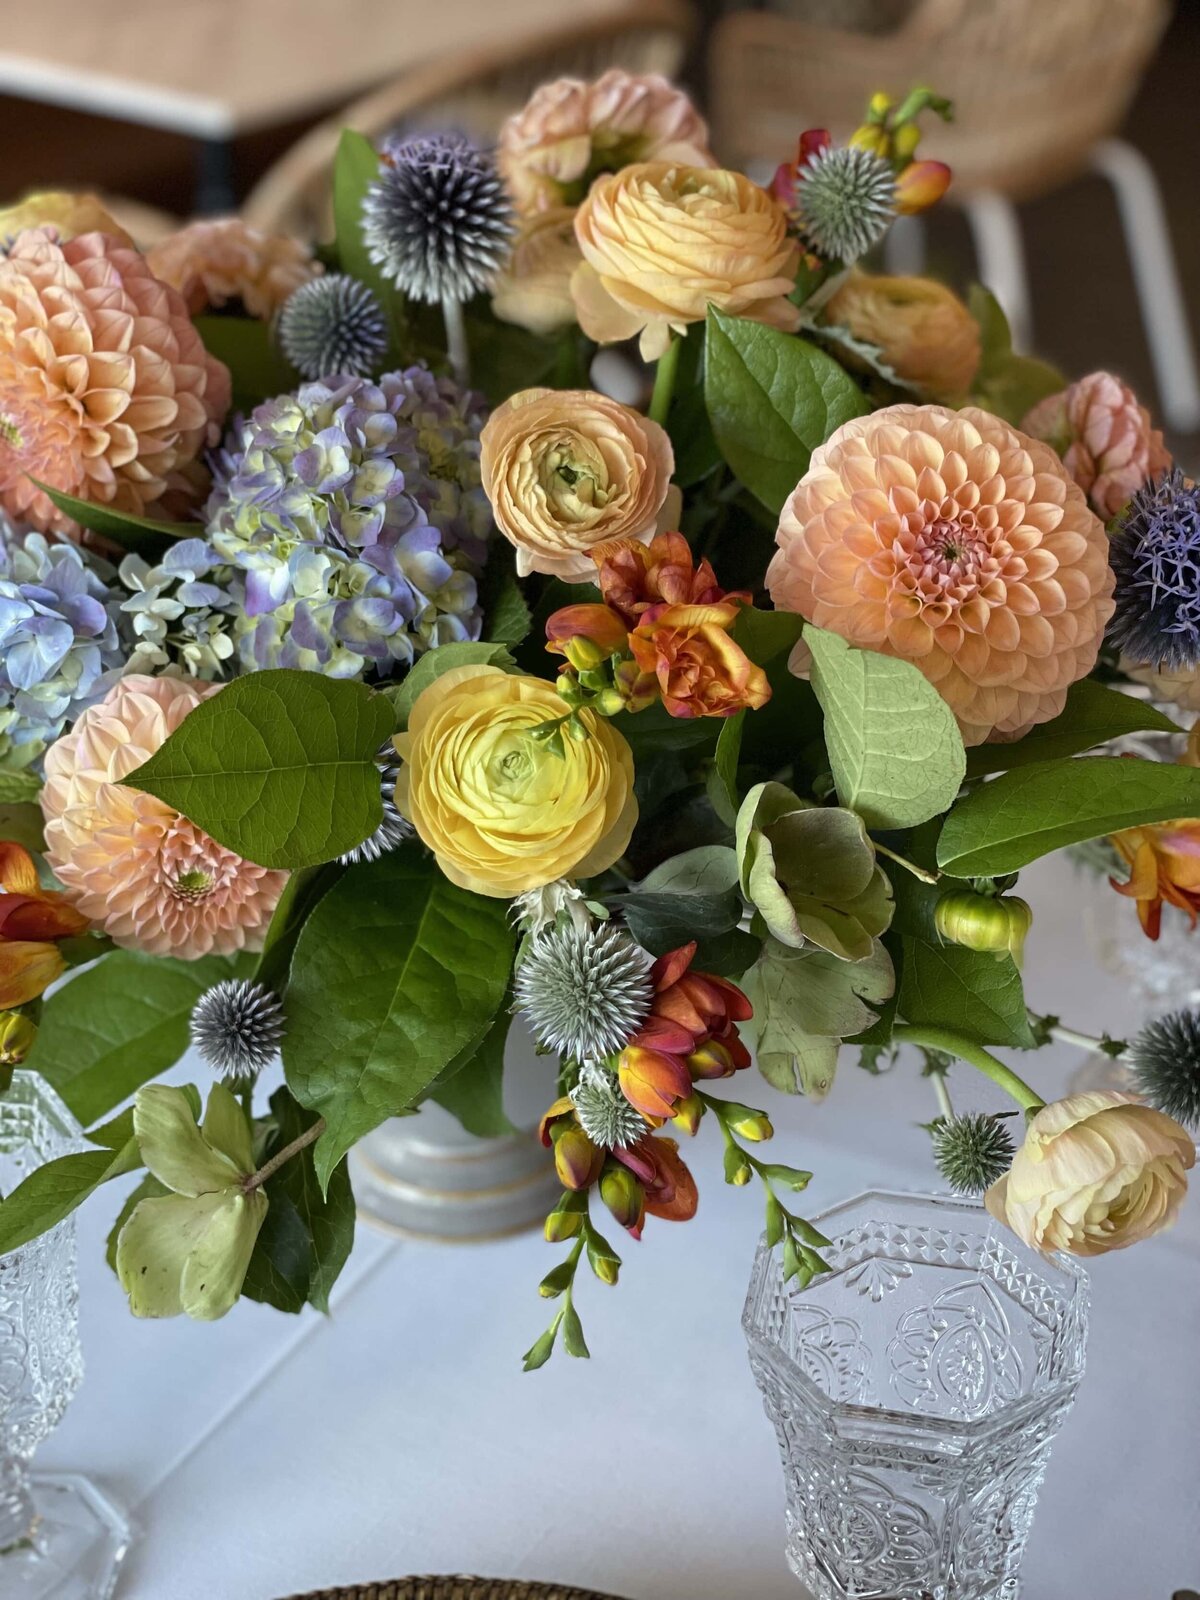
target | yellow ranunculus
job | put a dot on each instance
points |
(661, 243)
(501, 811)
(1096, 1172)
(926, 334)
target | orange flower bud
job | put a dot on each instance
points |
(921, 185)
(599, 626)
(652, 1080)
(688, 1114)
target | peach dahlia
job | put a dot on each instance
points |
(133, 866)
(951, 540)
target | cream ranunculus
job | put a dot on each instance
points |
(570, 131)
(567, 470)
(662, 242)
(534, 289)
(925, 333)
(501, 810)
(1096, 1172)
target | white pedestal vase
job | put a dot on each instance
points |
(426, 1177)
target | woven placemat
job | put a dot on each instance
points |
(454, 1589)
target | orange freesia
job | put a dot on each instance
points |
(634, 577)
(1164, 865)
(690, 1033)
(921, 185)
(670, 1189)
(700, 671)
(653, 1080)
(602, 633)
(31, 919)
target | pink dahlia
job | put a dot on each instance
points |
(106, 390)
(134, 867)
(1104, 437)
(951, 540)
(219, 259)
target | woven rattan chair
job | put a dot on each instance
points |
(1039, 87)
(472, 92)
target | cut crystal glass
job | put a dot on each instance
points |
(915, 1390)
(60, 1537)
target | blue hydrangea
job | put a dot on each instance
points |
(180, 615)
(353, 513)
(58, 640)
(1155, 554)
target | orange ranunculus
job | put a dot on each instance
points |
(633, 577)
(31, 919)
(701, 672)
(1164, 864)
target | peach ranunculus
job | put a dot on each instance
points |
(923, 330)
(1178, 686)
(567, 470)
(699, 670)
(533, 289)
(138, 870)
(950, 540)
(662, 242)
(1105, 438)
(570, 132)
(32, 920)
(1096, 1172)
(219, 259)
(1164, 865)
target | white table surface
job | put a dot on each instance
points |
(266, 1454)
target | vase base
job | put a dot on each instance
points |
(76, 1547)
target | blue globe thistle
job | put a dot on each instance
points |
(972, 1151)
(238, 1026)
(333, 324)
(354, 513)
(1165, 1058)
(1155, 554)
(438, 220)
(59, 649)
(846, 200)
(394, 828)
(584, 992)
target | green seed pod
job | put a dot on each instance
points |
(993, 924)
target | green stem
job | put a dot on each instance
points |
(456, 341)
(1087, 1041)
(903, 861)
(664, 382)
(945, 1104)
(954, 1044)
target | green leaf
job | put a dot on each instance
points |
(541, 1349)
(772, 399)
(689, 896)
(143, 534)
(974, 993)
(355, 168)
(22, 824)
(1092, 715)
(395, 973)
(279, 767)
(472, 1086)
(765, 636)
(119, 1024)
(307, 1236)
(301, 893)
(1014, 819)
(506, 617)
(17, 788)
(51, 1192)
(1006, 383)
(257, 367)
(444, 659)
(573, 1341)
(895, 749)
(726, 795)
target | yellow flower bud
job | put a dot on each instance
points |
(870, 138)
(905, 140)
(17, 1033)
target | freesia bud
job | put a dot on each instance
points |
(17, 1033)
(751, 1124)
(624, 1197)
(576, 1159)
(905, 140)
(871, 137)
(921, 185)
(688, 1114)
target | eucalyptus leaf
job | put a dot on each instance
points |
(772, 399)
(395, 973)
(1027, 813)
(1092, 715)
(895, 749)
(279, 767)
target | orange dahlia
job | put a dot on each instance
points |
(135, 868)
(106, 390)
(220, 259)
(951, 540)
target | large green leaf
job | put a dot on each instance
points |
(280, 766)
(435, 663)
(895, 749)
(119, 1024)
(355, 168)
(52, 1191)
(1006, 383)
(1014, 819)
(1092, 715)
(772, 399)
(143, 534)
(22, 824)
(300, 894)
(472, 1086)
(972, 992)
(395, 973)
(689, 896)
(257, 367)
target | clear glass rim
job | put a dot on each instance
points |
(51, 1102)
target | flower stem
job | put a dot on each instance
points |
(1088, 1041)
(954, 1044)
(456, 340)
(271, 1167)
(945, 1104)
(664, 381)
(903, 861)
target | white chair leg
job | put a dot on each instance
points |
(1156, 277)
(996, 232)
(904, 247)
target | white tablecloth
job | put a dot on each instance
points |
(266, 1454)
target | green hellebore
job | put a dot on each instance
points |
(811, 872)
(188, 1251)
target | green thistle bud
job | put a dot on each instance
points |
(972, 1152)
(994, 924)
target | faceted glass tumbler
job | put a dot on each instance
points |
(915, 1390)
(60, 1537)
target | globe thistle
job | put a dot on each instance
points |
(394, 829)
(1155, 554)
(585, 993)
(604, 1114)
(846, 198)
(333, 325)
(237, 1026)
(438, 220)
(1165, 1058)
(972, 1151)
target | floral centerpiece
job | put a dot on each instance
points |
(368, 675)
